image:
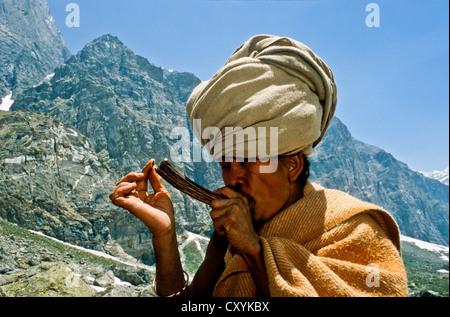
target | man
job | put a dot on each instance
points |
(276, 234)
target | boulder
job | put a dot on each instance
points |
(45, 280)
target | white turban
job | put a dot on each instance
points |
(268, 82)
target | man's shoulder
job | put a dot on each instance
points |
(341, 206)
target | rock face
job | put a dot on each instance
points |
(129, 109)
(52, 180)
(106, 111)
(32, 265)
(419, 204)
(31, 45)
(45, 280)
(126, 105)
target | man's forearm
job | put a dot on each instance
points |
(257, 267)
(169, 271)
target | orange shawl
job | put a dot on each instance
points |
(326, 244)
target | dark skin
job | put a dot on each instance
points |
(252, 199)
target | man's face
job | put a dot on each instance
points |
(268, 192)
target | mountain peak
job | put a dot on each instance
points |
(32, 46)
(106, 45)
(107, 39)
(442, 176)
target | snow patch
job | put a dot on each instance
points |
(440, 249)
(19, 176)
(168, 70)
(86, 171)
(45, 80)
(19, 159)
(6, 103)
(442, 176)
(49, 76)
(73, 132)
(15, 160)
(50, 22)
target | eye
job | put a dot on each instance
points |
(225, 165)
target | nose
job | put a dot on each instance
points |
(237, 175)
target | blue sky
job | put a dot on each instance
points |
(392, 80)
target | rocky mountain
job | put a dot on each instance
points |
(127, 107)
(31, 45)
(33, 265)
(76, 129)
(51, 179)
(419, 204)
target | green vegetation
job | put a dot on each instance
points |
(422, 269)
(38, 242)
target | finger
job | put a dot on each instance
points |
(218, 226)
(143, 184)
(221, 203)
(150, 164)
(230, 193)
(217, 213)
(131, 177)
(223, 224)
(155, 180)
(122, 190)
(125, 203)
(238, 199)
(125, 189)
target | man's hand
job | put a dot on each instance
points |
(155, 210)
(232, 218)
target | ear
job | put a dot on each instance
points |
(295, 166)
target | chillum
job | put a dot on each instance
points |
(175, 178)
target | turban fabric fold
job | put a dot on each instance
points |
(269, 81)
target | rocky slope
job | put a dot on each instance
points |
(31, 45)
(33, 265)
(419, 204)
(128, 108)
(54, 182)
(427, 267)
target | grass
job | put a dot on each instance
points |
(422, 270)
(37, 241)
